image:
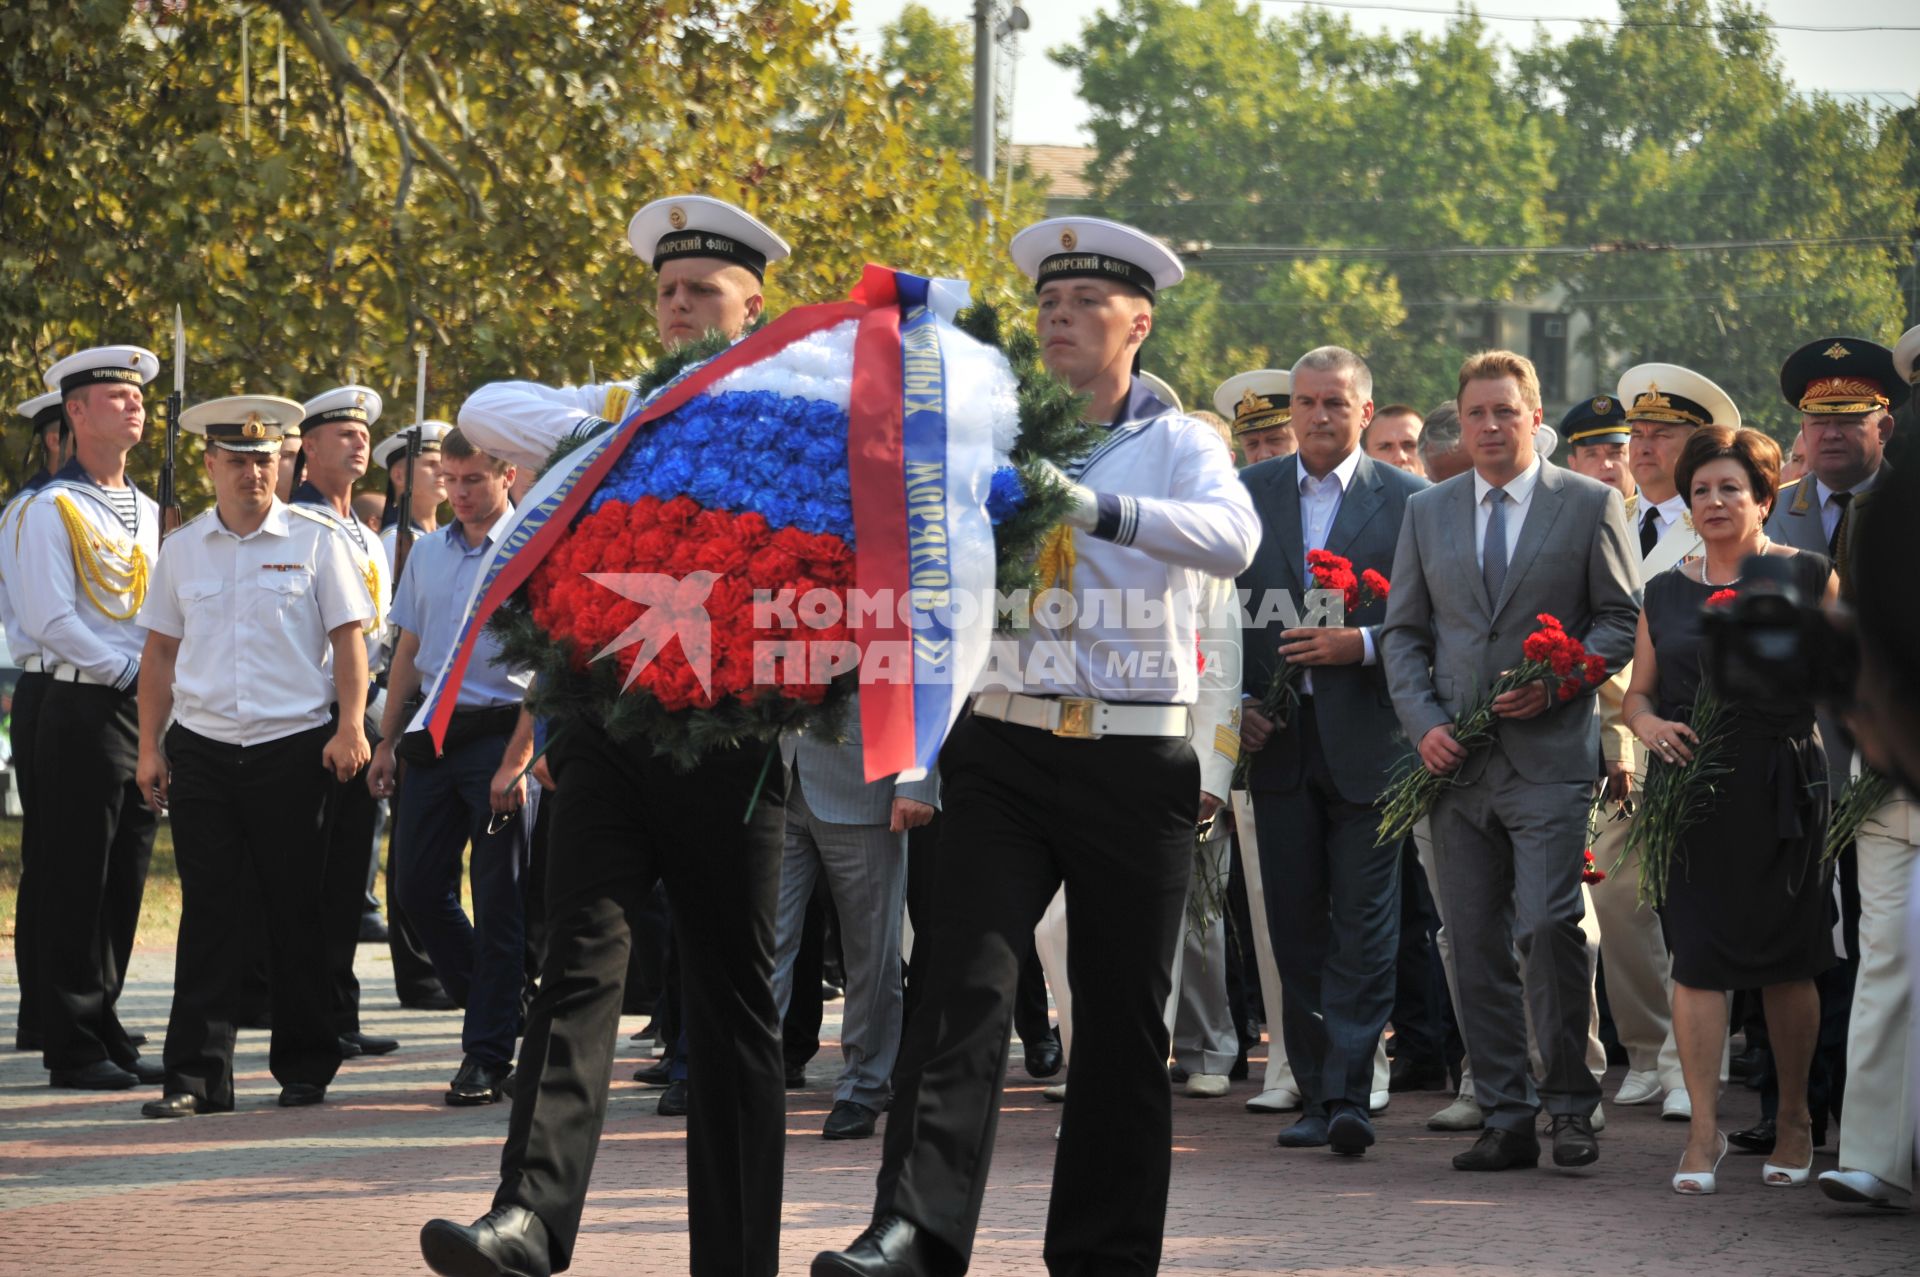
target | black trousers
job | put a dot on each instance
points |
(1420, 994)
(28, 693)
(413, 977)
(1333, 908)
(622, 820)
(87, 748)
(249, 826)
(352, 814)
(1025, 811)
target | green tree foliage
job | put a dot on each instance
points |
(1311, 174)
(457, 175)
(928, 65)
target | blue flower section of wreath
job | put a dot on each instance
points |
(781, 456)
(1005, 495)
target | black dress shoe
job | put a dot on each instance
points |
(1238, 1073)
(1409, 1074)
(181, 1104)
(147, 1071)
(1746, 1063)
(373, 929)
(1498, 1150)
(1043, 1058)
(298, 1095)
(891, 1247)
(136, 1039)
(1350, 1133)
(101, 1075)
(29, 1042)
(507, 1241)
(1573, 1141)
(1758, 1138)
(658, 1073)
(1307, 1132)
(849, 1121)
(349, 1049)
(367, 1044)
(478, 1082)
(673, 1100)
(432, 1000)
(796, 1077)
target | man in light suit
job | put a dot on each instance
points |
(1479, 557)
(1332, 895)
(855, 833)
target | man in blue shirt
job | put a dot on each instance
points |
(448, 800)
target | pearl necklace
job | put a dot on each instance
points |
(1765, 544)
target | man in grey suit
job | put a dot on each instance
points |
(1332, 895)
(855, 833)
(1479, 557)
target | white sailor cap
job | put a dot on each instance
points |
(1162, 391)
(1257, 400)
(1671, 395)
(701, 226)
(43, 411)
(393, 449)
(104, 365)
(346, 403)
(1906, 355)
(242, 423)
(1095, 248)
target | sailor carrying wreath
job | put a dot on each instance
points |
(830, 502)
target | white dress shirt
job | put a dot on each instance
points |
(1519, 491)
(1830, 509)
(66, 615)
(252, 614)
(1319, 506)
(19, 646)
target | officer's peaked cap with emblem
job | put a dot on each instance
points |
(1257, 400)
(1094, 248)
(1670, 395)
(1835, 376)
(242, 423)
(359, 404)
(104, 365)
(1600, 419)
(1906, 355)
(701, 226)
(391, 450)
(43, 410)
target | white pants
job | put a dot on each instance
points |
(1877, 1128)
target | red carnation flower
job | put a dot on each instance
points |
(1596, 669)
(1721, 598)
(1376, 584)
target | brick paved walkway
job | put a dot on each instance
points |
(89, 1187)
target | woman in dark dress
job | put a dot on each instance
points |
(1746, 893)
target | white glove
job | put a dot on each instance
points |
(1084, 513)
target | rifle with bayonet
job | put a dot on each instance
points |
(403, 530)
(176, 404)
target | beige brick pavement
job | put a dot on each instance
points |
(89, 1187)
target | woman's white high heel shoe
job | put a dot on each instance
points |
(1699, 1183)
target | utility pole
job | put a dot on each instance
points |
(984, 17)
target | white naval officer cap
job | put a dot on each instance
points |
(103, 365)
(360, 404)
(1668, 394)
(701, 226)
(392, 450)
(242, 423)
(1257, 400)
(1095, 248)
(1162, 390)
(1906, 354)
(43, 411)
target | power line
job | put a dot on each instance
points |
(1622, 23)
(1254, 254)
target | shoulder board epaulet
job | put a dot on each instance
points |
(204, 514)
(324, 518)
(1802, 495)
(615, 406)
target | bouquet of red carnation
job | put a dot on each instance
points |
(1590, 872)
(1330, 571)
(1550, 655)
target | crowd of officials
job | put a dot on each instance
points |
(255, 676)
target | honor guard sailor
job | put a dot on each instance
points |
(81, 555)
(253, 626)
(1094, 720)
(334, 429)
(47, 422)
(623, 820)
(1665, 404)
(426, 491)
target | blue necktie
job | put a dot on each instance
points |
(1493, 550)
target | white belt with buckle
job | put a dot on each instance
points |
(31, 665)
(1081, 718)
(73, 674)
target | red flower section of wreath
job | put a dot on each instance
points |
(675, 538)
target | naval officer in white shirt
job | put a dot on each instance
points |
(1076, 765)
